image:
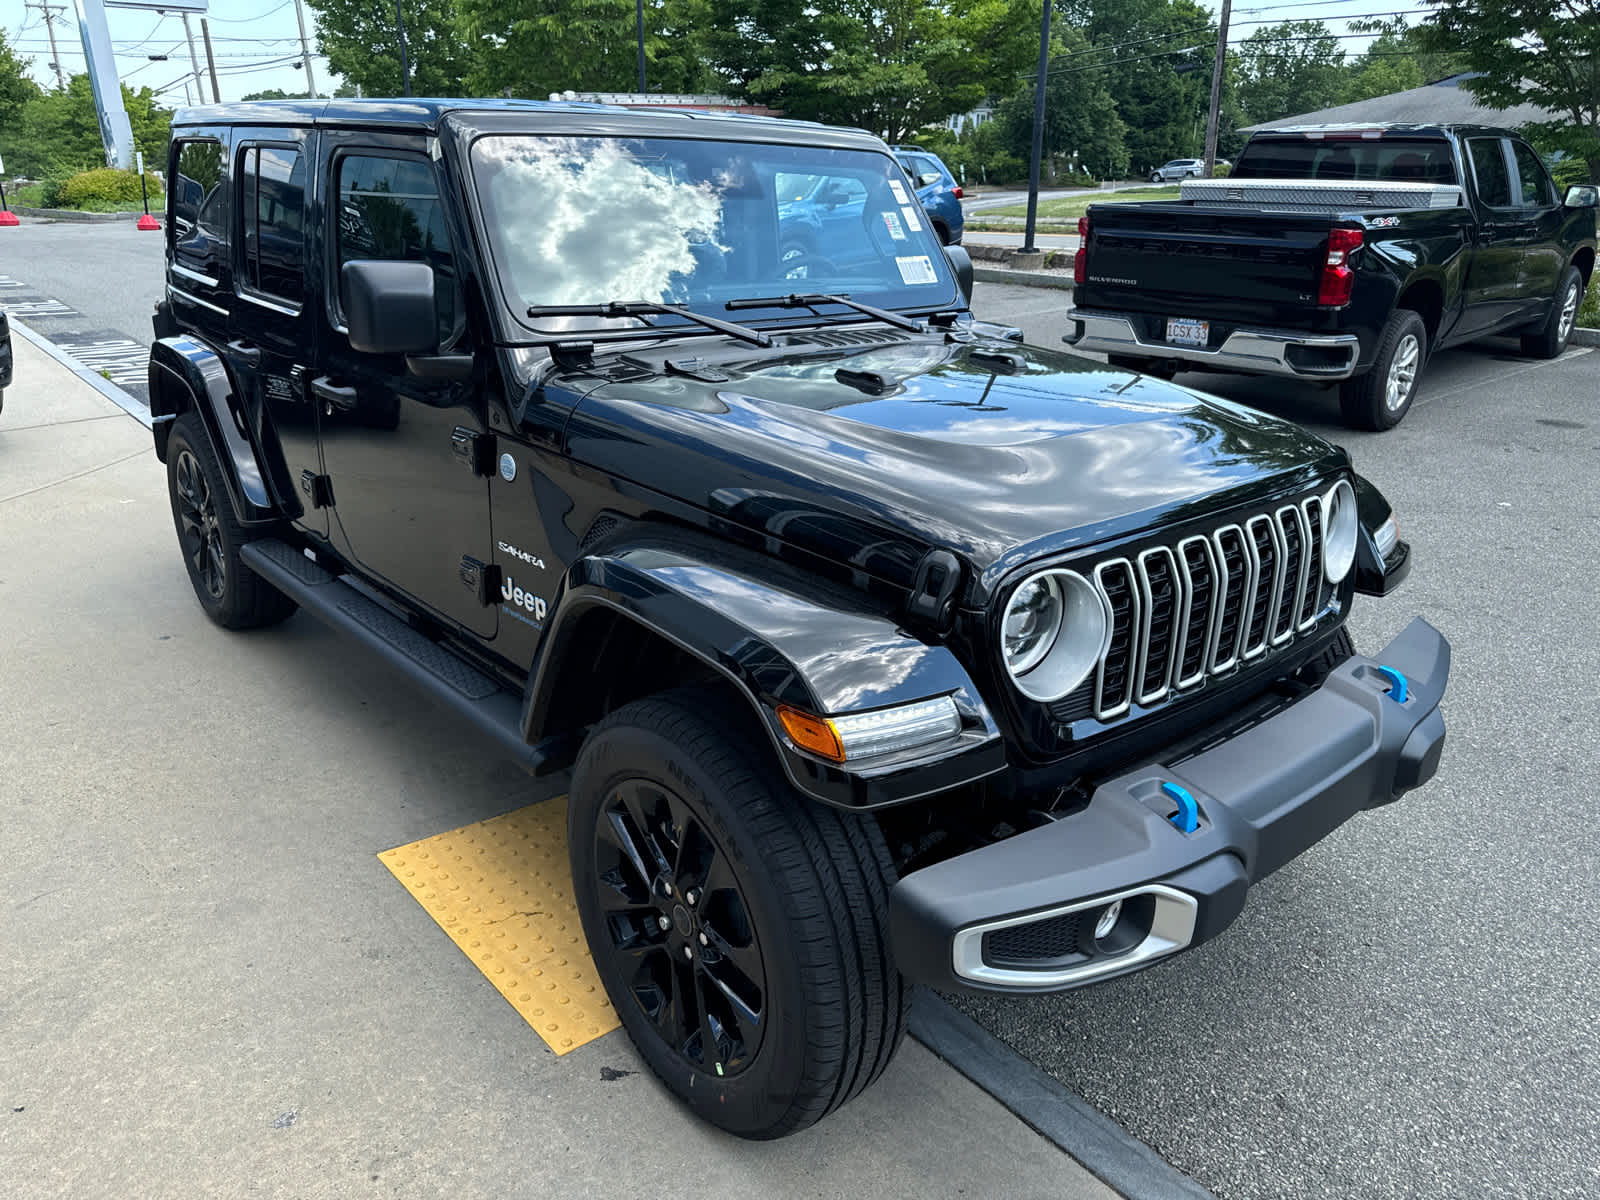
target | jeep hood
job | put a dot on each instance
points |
(992, 450)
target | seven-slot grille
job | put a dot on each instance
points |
(1207, 604)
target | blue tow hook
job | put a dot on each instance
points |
(1187, 818)
(1397, 684)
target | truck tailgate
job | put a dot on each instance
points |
(1192, 260)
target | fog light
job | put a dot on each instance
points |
(1107, 921)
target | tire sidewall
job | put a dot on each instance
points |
(1559, 339)
(186, 437)
(1401, 322)
(753, 1100)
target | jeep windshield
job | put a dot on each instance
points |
(588, 221)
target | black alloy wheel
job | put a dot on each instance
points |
(210, 536)
(740, 929)
(675, 914)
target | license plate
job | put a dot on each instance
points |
(1186, 332)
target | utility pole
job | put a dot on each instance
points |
(1216, 86)
(405, 65)
(49, 11)
(194, 61)
(639, 16)
(305, 49)
(1038, 130)
(211, 61)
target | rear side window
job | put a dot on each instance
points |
(916, 165)
(1342, 159)
(272, 194)
(389, 208)
(1532, 178)
(1489, 169)
(198, 199)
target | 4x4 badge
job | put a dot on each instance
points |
(508, 468)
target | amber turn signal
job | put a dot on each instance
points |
(811, 733)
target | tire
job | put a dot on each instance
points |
(765, 895)
(1550, 341)
(1367, 401)
(210, 535)
(1156, 177)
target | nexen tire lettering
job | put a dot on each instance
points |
(515, 595)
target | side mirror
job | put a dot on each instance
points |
(389, 307)
(928, 178)
(961, 263)
(1582, 195)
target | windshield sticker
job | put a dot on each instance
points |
(896, 230)
(899, 191)
(912, 223)
(916, 269)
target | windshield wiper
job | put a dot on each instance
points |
(639, 309)
(812, 299)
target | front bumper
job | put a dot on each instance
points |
(1287, 352)
(1017, 916)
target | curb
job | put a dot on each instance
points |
(1108, 1150)
(1584, 337)
(123, 400)
(1036, 279)
(72, 214)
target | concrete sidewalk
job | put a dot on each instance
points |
(209, 985)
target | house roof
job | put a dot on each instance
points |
(1443, 102)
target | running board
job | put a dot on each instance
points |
(449, 678)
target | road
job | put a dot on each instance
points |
(981, 201)
(1411, 1008)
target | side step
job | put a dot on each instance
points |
(446, 676)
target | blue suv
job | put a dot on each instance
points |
(937, 189)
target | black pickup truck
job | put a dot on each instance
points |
(1340, 254)
(881, 648)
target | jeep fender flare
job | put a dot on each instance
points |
(186, 366)
(775, 643)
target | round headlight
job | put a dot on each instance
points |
(1054, 632)
(1339, 527)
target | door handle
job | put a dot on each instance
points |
(246, 352)
(334, 395)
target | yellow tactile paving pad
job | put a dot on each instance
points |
(502, 890)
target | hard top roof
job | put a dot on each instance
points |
(424, 114)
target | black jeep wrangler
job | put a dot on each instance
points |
(881, 648)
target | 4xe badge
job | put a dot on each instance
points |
(514, 595)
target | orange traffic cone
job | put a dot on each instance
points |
(7, 217)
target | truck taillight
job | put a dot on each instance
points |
(1338, 278)
(1080, 260)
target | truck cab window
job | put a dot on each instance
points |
(1489, 168)
(389, 208)
(1534, 180)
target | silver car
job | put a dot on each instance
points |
(1179, 168)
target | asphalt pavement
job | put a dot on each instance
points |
(1411, 1009)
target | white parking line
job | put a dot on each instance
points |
(125, 361)
(39, 308)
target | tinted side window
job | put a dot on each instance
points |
(389, 208)
(1489, 168)
(917, 166)
(198, 199)
(1537, 190)
(272, 193)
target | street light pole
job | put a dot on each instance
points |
(1216, 86)
(405, 64)
(1038, 130)
(639, 9)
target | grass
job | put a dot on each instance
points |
(31, 195)
(1070, 208)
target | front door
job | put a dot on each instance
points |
(409, 505)
(1543, 261)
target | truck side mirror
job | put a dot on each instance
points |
(1582, 195)
(961, 263)
(389, 307)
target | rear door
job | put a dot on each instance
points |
(1494, 289)
(1544, 259)
(402, 454)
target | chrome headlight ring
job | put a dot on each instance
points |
(1055, 629)
(1340, 526)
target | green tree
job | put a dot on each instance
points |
(892, 66)
(1540, 52)
(16, 88)
(1290, 68)
(58, 133)
(362, 44)
(1080, 116)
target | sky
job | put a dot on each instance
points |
(256, 43)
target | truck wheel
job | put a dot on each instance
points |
(210, 536)
(1551, 339)
(1380, 398)
(739, 928)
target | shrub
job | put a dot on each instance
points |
(104, 187)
